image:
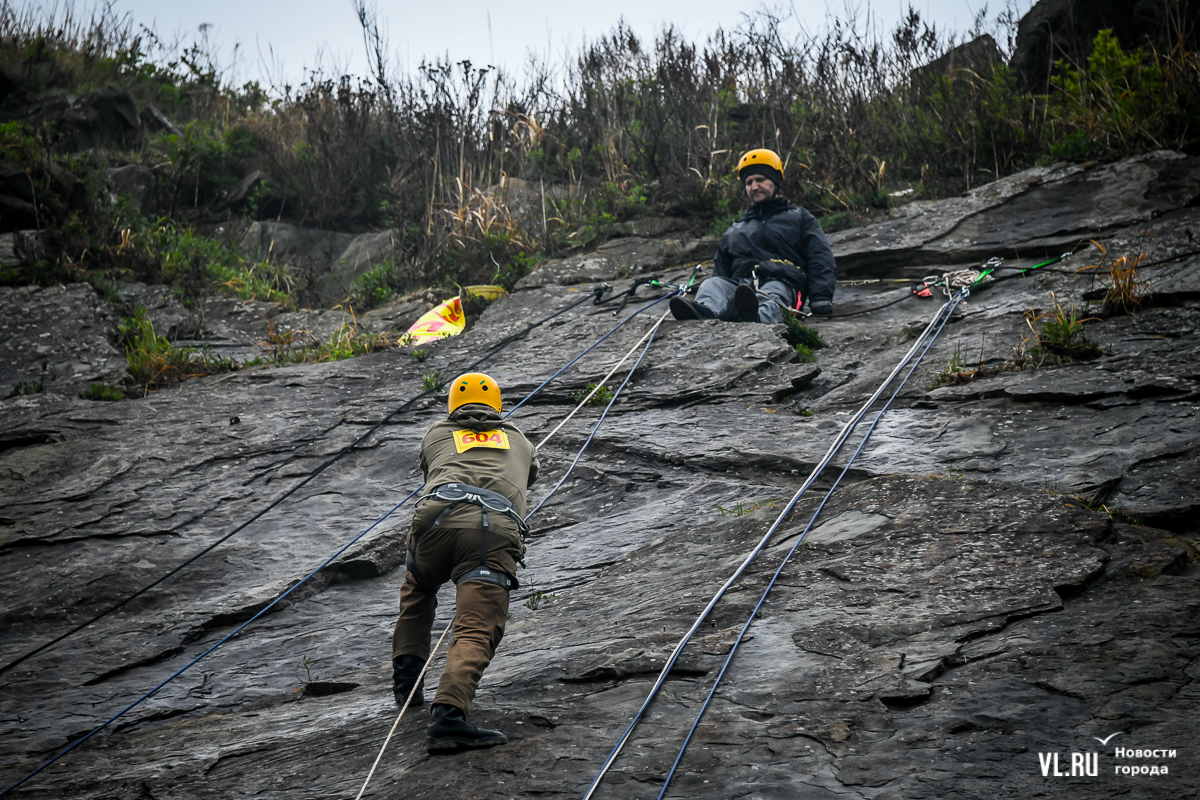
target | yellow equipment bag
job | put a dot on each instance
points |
(447, 318)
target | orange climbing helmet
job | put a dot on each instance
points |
(474, 387)
(761, 162)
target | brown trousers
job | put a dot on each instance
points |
(480, 611)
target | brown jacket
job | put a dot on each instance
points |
(502, 461)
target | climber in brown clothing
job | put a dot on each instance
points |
(467, 529)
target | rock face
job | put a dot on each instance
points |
(106, 117)
(975, 601)
(977, 56)
(1066, 29)
(324, 263)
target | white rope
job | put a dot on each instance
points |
(599, 385)
(404, 708)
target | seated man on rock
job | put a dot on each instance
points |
(776, 245)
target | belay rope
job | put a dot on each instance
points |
(941, 321)
(596, 294)
(963, 280)
(80, 740)
(926, 339)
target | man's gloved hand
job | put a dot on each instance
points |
(821, 308)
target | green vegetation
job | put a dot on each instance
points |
(738, 509)
(308, 667)
(838, 221)
(1120, 102)
(472, 305)
(291, 346)
(1060, 336)
(377, 286)
(537, 600)
(154, 361)
(622, 129)
(956, 371)
(799, 333)
(25, 387)
(431, 381)
(602, 397)
(101, 391)
(805, 339)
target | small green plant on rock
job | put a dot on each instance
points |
(285, 345)
(26, 387)
(430, 381)
(750, 507)
(537, 599)
(800, 334)
(153, 361)
(956, 372)
(473, 306)
(602, 396)
(307, 665)
(102, 391)
(803, 338)
(1060, 335)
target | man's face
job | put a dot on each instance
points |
(759, 188)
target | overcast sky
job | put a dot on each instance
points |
(299, 34)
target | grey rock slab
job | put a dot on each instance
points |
(1042, 210)
(361, 254)
(956, 610)
(613, 260)
(59, 335)
(135, 182)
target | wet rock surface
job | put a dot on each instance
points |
(974, 598)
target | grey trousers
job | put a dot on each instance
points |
(716, 297)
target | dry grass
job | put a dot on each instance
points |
(1125, 289)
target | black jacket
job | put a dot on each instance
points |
(773, 232)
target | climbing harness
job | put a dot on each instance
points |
(928, 334)
(597, 294)
(77, 742)
(453, 494)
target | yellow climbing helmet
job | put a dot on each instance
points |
(761, 162)
(474, 387)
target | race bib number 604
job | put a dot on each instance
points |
(465, 440)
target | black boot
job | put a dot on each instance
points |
(682, 308)
(450, 731)
(405, 670)
(745, 301)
